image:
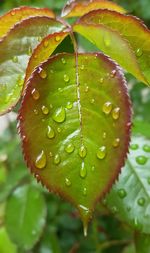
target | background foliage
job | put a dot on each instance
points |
(35, 221)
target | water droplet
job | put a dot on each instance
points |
(57, 159)
(67, 182)
(82, 151)
(82, 67)
(59, 115)
(114, 209)
(36, 112)
(50, 132)
(122, 193)
(69, 148)
(141, 159)
(59, 130)
(45, 110)
(66, 78)
(42, 73)
(139, 52)
(57, 38)
(85, 191)
(83, 171)
(101, 153)
(40, 162)
(85, 214)
(134, 146)
(104, 135)
(101, 80)
(141, 201)
(63, 60)
(106, 39)
(35, 94)
(93, 168)
(116, 113)
(46, 43)
(13, 13)
(15, 59)
(107, 108)
(86, 89)
(113, 73)
(116, 142)
(69, 105)
(146, 148)
(92, 101)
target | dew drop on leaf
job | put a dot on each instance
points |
(139, 52)
(57, 38)
(42, 73)
(122, 193)
(146, 148)
(134, 146)
(141, 201)
(107, 108)
(59, 130)
(93, 168)
(69, 148)
(45, 110)
(141, 159)
(113, 73)
(59, 115)
(36, 112)
(116, 142)
(83, 171)
(92, 101)
(101, 80)
(107, 40)
(67, 182)
(69, 105)
(82, 151)
(46, 43)
(57, 159)
(63, 60)
(35, 94)
(84, 191)
(116, 113)
(15, 59)
(101, 153)
(86, 89)
(50, 132)
(66, 78)
(104, 135)
(40, 162)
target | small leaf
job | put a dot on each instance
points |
(26, 227)
(76, 8)
(15, 50)
(76, 126)
(126, 39)
(8, 20)
(44, 50)
(131, 194)
(5, 243)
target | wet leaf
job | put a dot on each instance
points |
(130, 197)
(74, 125)
(9, 19)
(77, 8)
(20, 42)
(125, 38)
(26, 227)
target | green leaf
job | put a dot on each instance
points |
(130, 196)
(130, 249)
(77, 8)
(125, 38)
(5, 243)
(142, 243)
(74, 124)
(9, 19)
(20, 42)
(25, 216)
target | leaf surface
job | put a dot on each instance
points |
(26, 227)
(130, 197)
(125, 38)
(75, 122)
(8, 20)
(20, 42)
(77, 8)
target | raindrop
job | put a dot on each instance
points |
(85, 191)
(66, 78)
(69, 148)
(116, 142)
(46, 43)
(86, 89)
(40, 162)
(116, 113)
(57, 159)
(57, 38)
(122, 193)
(45, 110)
(114, 209)
(139, 52)
(106, 39)
(104, 135)
(101, 153)
(101, 80)
(107, 108)
(141, 159)
(67, 182)
(83, 171)
(134, 146)
(59, 130)
(69, 105)
(92, 101)
(50, 154)
(63, 60)
(82, 151)
(35, 94)
(36, 112)
(93, 168)
(141, 201)
(146, 148)
(15, 59)
(50, 132)
(42, 73)
(59, 115)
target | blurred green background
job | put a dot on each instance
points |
(35, 221)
